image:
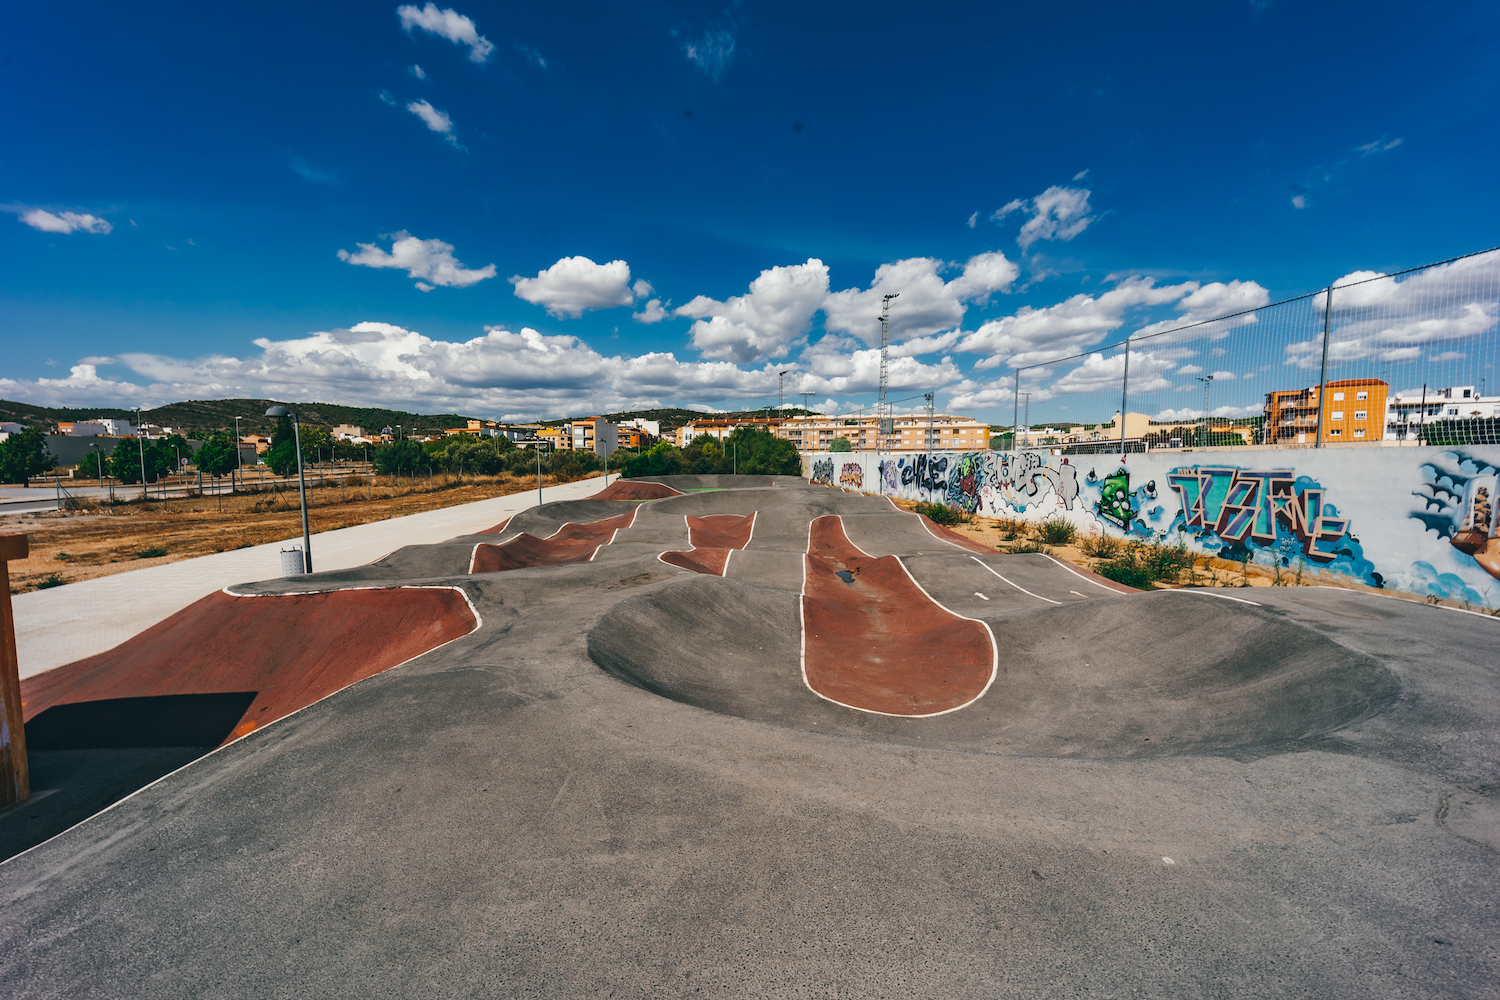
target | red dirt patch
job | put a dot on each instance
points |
(625, 489)
(292, 650)
(713, 538)
(571, 543)
(877, 642)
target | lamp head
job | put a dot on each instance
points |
(278, 411)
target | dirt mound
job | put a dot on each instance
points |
(291, 651)
(626, 489)
(571, 543)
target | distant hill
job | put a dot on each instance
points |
(203, 415)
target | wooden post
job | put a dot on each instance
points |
(15, 776)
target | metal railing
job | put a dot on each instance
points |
(1401, 358)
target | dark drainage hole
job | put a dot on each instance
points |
(87, 756)
(845, 575)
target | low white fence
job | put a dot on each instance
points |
(1415, 519)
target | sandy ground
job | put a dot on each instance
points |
(1018, 536)
(101, 539)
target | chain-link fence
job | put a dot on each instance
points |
(1405, 358)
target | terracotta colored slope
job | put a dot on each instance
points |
(291, 651)
(873, 640)
(713, 538)
(625, 489)
(496, 530)
(570, 543)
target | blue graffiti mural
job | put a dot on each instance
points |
(1247, 509)
(1458, 497)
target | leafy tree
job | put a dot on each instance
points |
(281, 458)
(218, 456)
(402, 458)
(283, 431)
(761, 453)
(125, 460)
(469, 454)
(840, 444)
(661, 459)
(568, 463)
(93, 464)
(23, 455)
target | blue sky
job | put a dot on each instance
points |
(541, 210)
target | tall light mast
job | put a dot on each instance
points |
(882, 407)
(781, 389)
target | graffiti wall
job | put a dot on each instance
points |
(1415, 519)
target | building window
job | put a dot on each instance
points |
(1336, 415)
(1360, 432)
(1335, 432)
(1338, 395)
(1452, 411)
(1360, 414)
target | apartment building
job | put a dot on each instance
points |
(1408, 411)
(1354, 413)
(909, 432)
(720, 428)
(594, 434)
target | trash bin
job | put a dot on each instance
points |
(292, 563)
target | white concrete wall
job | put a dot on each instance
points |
(1412, 519)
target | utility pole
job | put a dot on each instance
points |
(140, 440)
(1208, 381)
(805, 397)
(883, 415)
(781, 389)
(1028, 418)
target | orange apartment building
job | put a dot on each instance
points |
(1353, 414)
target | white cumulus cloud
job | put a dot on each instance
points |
(64, 222)
(651, 312)
(766, 323)
(447, 23)
(575, 284)
(1058, 213)
(927, 304)
(430, 261)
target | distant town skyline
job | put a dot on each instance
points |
(542, 212)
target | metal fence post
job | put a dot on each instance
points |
(1015, 416)
(1323, 372)
(1124, 396)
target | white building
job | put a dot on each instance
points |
(652, 427)
(1406, 412)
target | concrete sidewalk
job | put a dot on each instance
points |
(67, 623)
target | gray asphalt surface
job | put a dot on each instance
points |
(618, 787)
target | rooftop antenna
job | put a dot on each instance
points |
(883, 406)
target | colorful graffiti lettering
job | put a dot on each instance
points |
(822, 471)
(1239, 505)
(1020, 481)
(852, 476)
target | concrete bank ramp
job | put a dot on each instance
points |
(1150, 675)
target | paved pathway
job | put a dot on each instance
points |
(64, 624)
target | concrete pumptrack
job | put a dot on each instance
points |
(738, 736)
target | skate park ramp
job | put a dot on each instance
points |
(615, 780)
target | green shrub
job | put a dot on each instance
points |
(151, 553)
(1144, 563)
(1056, 531)
(52, 581)
(942, 514)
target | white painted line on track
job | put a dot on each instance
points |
(1205, 593)
(1070, 569)
(1017, 585)
(980, 596)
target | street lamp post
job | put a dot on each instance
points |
(239, 460)
(140, 440)
(282, 411)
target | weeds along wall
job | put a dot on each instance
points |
(1418, 519)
